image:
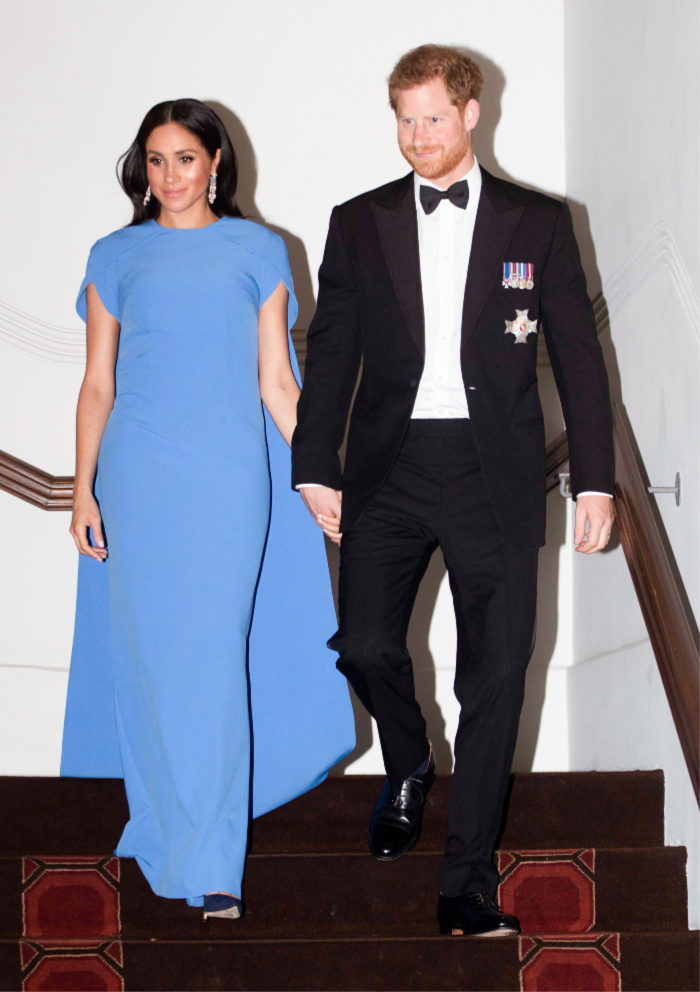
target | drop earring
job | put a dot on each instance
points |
(147, 197)
(212, 187)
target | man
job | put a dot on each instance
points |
(438, 282)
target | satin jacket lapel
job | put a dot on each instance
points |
(396, 220)
(496, 219)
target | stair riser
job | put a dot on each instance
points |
(659, 962)
(568, 810)
(311, 897)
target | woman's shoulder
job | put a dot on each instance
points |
(109, 249)
(256, 238)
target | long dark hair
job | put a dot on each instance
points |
(204, 124)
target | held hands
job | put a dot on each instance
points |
(324, 506)
(86, 513)
(600, 514)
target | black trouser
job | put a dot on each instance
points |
(435, 496)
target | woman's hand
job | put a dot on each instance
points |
(324, 505)
(94, 405)
(331, 528)
(86, 513)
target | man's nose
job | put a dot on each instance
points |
(419, 134)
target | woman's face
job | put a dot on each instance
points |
(178, 167)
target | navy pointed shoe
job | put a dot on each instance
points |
(222, 905)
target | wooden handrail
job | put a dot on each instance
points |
(672, 627)
(669, 619)
(48, 492)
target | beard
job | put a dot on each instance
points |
(441, 164)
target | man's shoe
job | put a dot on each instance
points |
(474, 915)
(397, 817)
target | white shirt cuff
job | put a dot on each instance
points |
(309, 485)
(592, 493)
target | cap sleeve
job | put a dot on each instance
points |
(275, 268)
(101, 270)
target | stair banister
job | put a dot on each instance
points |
(668, 616)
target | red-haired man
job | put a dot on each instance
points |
(439, 283)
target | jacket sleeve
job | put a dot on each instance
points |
(577, 361)
(332, 365)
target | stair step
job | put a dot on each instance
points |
(545, 810)
(662, 962)
(309, 897)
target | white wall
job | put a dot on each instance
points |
(303, 87)
(632, 148)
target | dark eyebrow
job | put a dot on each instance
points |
(152, 151)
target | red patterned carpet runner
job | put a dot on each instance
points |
(579, 964)
(549, 891)
(71, 924)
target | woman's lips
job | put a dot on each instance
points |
(172, 193)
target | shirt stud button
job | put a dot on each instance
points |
(413, 382)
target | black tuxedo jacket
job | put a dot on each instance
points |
(370, 308)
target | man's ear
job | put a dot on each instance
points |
(471, 113)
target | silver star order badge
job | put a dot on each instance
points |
(521, 326)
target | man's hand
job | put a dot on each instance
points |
(324, 506)
(599, 512)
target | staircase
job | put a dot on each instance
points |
(602, 902)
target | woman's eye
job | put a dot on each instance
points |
(187, 158)
(154, 161)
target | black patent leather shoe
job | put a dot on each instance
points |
(474, 915)
(397, 818)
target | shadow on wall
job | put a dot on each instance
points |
(547, 628)
(490, 102)
(418, 638)
(247, 184)
(303, 288)
(494, 87)
(582, 227)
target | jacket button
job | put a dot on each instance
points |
(413, 382)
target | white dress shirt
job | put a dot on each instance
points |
(445, 244)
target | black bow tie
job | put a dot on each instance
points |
(457, 194)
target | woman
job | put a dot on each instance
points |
(188, 310)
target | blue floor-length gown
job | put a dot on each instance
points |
(194, 488)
